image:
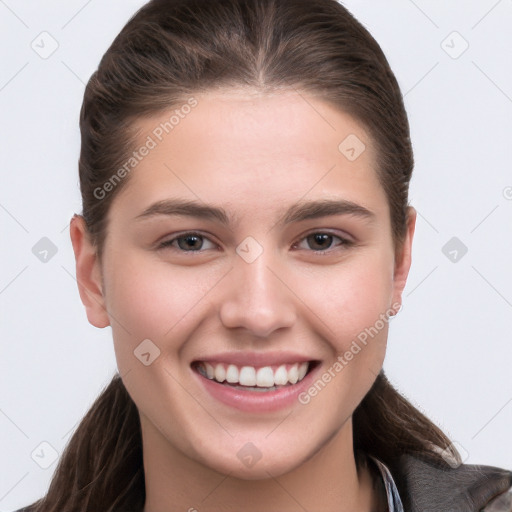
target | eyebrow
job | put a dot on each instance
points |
(303, 210)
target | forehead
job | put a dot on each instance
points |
(248, 123)
(265, 149)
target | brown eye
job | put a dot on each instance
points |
(322, 242)
(188, 242)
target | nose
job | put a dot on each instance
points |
(258, 297)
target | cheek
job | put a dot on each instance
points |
(153, 301)
(146, 295)
(354, 303)
(352, 298)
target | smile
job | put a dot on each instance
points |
(255, 388)
(258, 379)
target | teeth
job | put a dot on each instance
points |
(293, 374)
(249, 376)
(265, 377)
(281, 376)
(220, 373)
(210, 371)
(303, 369)
(232, 374)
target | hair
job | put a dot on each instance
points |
(168, 51)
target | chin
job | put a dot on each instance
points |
(249, 463)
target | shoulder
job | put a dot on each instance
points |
(428, 486)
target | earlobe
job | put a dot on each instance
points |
(404, 259)
(88, 274)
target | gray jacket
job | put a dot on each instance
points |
(426, 487)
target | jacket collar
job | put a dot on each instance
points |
(426, 486)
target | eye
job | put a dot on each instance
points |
(321, 241)
(187, 242)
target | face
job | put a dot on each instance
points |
(284, 301)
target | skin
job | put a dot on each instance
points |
(253, 154)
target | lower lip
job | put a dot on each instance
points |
(257, 401)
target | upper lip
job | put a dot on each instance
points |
(248, 358)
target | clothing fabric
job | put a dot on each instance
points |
(418, 485)
(427, 488)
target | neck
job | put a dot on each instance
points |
(328, 481)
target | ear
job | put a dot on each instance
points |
(403, 258)
(88, 273)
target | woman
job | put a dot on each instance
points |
(246, 233)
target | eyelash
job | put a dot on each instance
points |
(345, 242)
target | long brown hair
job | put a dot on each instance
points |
(169, 50)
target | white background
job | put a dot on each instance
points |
(450, 348)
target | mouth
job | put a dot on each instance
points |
(255, 388)
(252, 378)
